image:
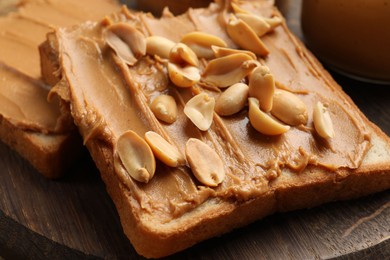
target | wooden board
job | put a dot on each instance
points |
(74, 218)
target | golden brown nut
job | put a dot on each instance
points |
(289, 108)
(205, 163)
(244, 36)
(228, 70)
(127, 42)
(183, 77)
(201, 42)
(136, 156)
(200, 110)
(164, 151)
(262, 122)
(164, 108)
(232, 100)
(262, 87)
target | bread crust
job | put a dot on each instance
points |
(50, 154)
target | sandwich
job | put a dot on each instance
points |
(37, 128)
(207, 121)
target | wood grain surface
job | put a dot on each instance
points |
(74, 218)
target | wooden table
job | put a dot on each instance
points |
(74, 218)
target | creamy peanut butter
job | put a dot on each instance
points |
(110, 97)
(23, 95)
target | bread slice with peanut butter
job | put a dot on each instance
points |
(304, 144)
(41, 131)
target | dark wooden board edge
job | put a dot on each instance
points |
(36, 246)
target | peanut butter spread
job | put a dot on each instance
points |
(110, 97)
(22, 94)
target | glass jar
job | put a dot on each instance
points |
(350, 36)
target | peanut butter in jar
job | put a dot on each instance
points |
(350, 36)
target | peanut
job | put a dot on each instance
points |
(160, 46)
(262, 122)
(226, 71)
(136, 156)
(201, 43)
(205, 163)
(262, 87)
(164, 151)
(199, 110)
(182, 54)
(232, 100)
(183, 77)
(164, 108)
(127, 42)
(288, 108)
(243, 35)
(322, 121)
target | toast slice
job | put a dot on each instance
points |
(40, 131)
(263, 174)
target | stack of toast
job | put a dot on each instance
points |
(31, 124)
(207, 121)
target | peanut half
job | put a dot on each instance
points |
(160, 46)
(262, 87)
(182, 54)
(222, 52)
(164, 151)
(164, 108)
(274, 22)
(183, 77)
(289, 108)
(201, 43)
(232, 100)
(205, 163)
(228, 70)
(322, 121)
(237, 9)
(257, 23)
(262, 122)
(200, 110)
(127, 42)
(244, 36)
(136, 156)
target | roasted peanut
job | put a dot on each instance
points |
(289, 108)
(160, 46)
(164, 151)
(127, 42)
(184, 77)
(262, 122)
(201, 43)
(222, 52)
(199, 110)
(136, 156)
(274, 22)
(237, 9)
(244, 36)
(322, 121)
(164, 108)
(182, 54)
(232, 100)
(205, 163)
(257, 23)
(262, 87)
(226, 71)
